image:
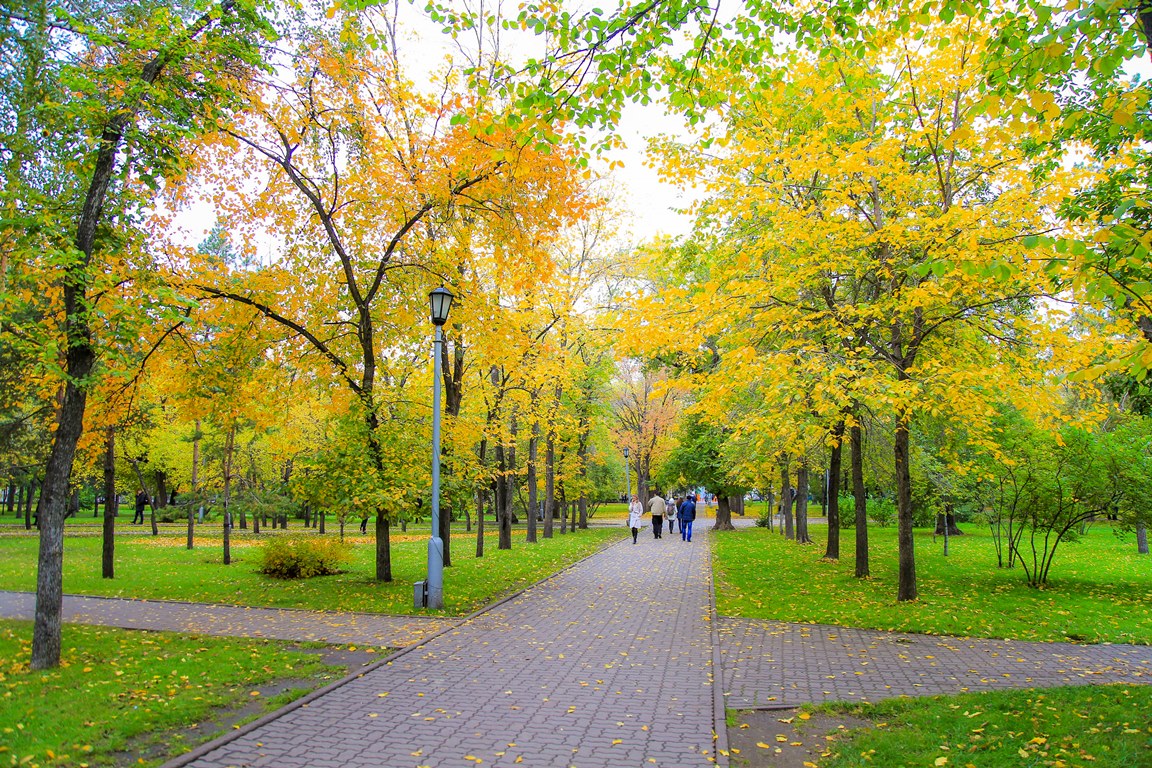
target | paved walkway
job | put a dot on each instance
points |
(775, 664)
(608, 663)
(235, 621)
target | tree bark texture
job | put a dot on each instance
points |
(549, 483)
(108, 550)
(1141, 538)
(906, 589)
(786, 497)
(723, 515)
(533, 491)
(229, 446)
(946, 524)
(190, 543)
(856, 458)
(802, 536)
(832, 493)
(383, 553)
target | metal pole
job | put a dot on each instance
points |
(627, 483)
(436, 544)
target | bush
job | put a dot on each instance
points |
(881, 511)
(765, 519)
(299, 557)
(847, 512)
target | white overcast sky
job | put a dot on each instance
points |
(649, 203)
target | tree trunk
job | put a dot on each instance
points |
(28, 495)
(445, 532)
(509, 479)
(832, 493)
(481, 455)
(723, 514)
(861, 503)
(108, 550)
(907, 555)
(479, 522)
(946, 524)
(802, 536)
(786, 497)
(532, 483)
(322, 514)
(195, 484)
(229, 445)
(1141, 538)
(562, 505)
(383, 553)
(549, 483)
(10, 498)
(161, 490)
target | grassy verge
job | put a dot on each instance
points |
(161, 568)
(120, 696)
(1076, 726)
(1100, 589)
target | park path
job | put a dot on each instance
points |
(332, 628)
(608, 663)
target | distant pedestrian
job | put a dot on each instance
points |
(673, 506)
(364, 524)
(141, 502)
(635, 513)
(687, 514)
(657, 506)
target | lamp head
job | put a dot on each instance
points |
(441, 301)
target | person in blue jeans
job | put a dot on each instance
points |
(686, 514)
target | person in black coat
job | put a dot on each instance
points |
(141, 502)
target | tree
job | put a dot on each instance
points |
(138, 80)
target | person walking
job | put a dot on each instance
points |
(141, 502)
(673, 508)
(657, 507)
(635, 513)
(687, 514)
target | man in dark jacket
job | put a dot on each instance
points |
(686, 514)
(141, 503)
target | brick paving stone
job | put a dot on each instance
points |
(605, 665)
(773, 663)
(235, 621)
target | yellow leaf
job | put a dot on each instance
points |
(940, 761)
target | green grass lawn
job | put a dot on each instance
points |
(120, 694)
(1104, 726)
(1100, 590)
(161, 568)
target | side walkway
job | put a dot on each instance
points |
(773, 664)
(234, 620)
(607, 664)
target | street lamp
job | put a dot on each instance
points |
(433, 588)
(627, 481)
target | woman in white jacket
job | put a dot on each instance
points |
(635, 513)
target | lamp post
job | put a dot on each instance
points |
(441, 301)
(627, 481)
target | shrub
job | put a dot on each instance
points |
(881, 511)
(299, 557)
